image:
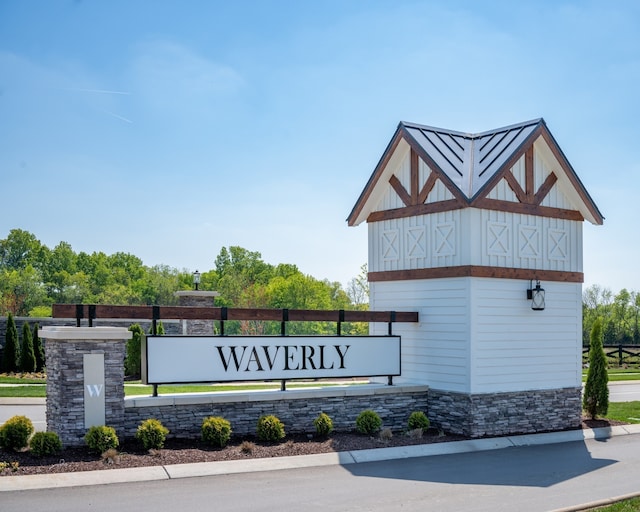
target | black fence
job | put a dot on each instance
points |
(617, 355)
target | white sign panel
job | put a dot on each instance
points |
(180, 359)
(94, 398)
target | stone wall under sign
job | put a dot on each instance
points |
(296, 408)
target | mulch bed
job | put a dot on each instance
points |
(179, 451)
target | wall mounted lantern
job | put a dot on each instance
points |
(196, 281)
(536, 296)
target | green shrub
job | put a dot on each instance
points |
(11, 352)
(418, 419)
(595, 399)
(133, 361)
(15, 433)
(99, 439)
(216, 431)
(45, 443)
(27, 354)
(270, 428)
(323, 424)
(38, 349)
(152, 434)
(368, 422)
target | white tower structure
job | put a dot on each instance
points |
(482, 235)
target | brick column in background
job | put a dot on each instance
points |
(199, 299)
(68, 387)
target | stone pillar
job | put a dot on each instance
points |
(199, 299)
(85, 379)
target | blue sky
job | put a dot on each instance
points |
(169, 129)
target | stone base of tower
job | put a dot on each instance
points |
(499, 414)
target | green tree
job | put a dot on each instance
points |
(610, 333)
(11, 352)
(21, 290)
(159, 284)
(38, 349)
(132, 362)
(238, 270)
(19, 249)
(358, 288)
(595, 400)
(27, 354)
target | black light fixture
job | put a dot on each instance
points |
(196, 279)
(536, 296)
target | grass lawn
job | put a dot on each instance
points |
(631, 505)
(36, 388)
(618, 374)
(629, 412)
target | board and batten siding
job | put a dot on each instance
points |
(435, 350)
(480, 335)
(475, 237)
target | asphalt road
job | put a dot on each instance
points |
(34, 411)
(624, 391)
(526, 479)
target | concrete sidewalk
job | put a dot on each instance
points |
(144, 474)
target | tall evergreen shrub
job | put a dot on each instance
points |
(159, 328)
(132, 363)
(11, 352)
(27, 355)
(38, 348)
(595, 400)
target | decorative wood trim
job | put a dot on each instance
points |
(528, 209)
(528, 171)
(515, 186)
(428, 187)
(477, 271)
(371, 184)
(415, 176)
(214, 313)
(545, 188)
(400, 190)
(575, 181)
(506, 167)
(414, 210)
(455, 191)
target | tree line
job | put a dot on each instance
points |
(620, 314)
(33, 277)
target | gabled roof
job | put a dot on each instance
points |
(470, 165)
(470, 160)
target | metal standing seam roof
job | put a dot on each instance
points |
(471, 160)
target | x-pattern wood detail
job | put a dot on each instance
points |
(417, 195)
(528, 196)
(390, 245)
(529, 242)
(416, 243)
(445, 245)
(529, 200)
(557, 244)
(498, 242)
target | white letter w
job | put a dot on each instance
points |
(94, 389)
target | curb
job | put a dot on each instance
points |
(199, 469)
